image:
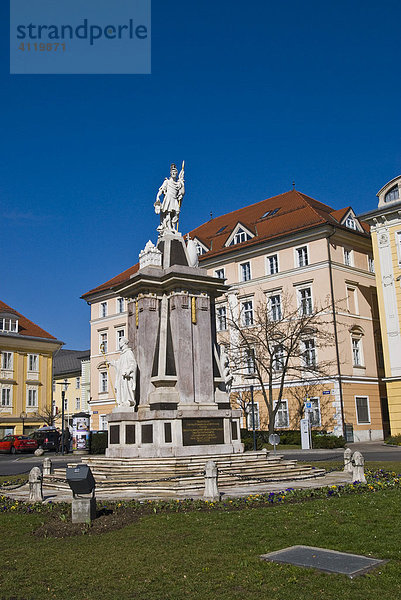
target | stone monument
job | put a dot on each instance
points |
(172, 380)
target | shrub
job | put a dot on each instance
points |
(247, 440)
(394, 440)
(327, 441)
(98, 442)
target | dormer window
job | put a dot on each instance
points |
(392, 194)
(239, 235)
(200, 248)
(350, 223)
(9, 324)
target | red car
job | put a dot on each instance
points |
(18, 443)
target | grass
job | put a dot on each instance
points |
(207, 555)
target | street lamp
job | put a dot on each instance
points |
(65, 384)
(252, 376)
(23, 416)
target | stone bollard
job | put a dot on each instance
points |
(47, 466)
(358, 462)
(35, 485)
(348, 460)
(211, 490)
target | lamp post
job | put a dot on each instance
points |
(65, 384)
(23, 416)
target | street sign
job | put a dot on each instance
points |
(308, 404)
(274, 439)
(326, 392)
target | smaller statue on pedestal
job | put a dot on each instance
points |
(126, 368)
(225, 368)
(173, 191)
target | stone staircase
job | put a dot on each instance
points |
(170, 476)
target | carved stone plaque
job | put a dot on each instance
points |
(202, 432)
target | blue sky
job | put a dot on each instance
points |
(252, 95)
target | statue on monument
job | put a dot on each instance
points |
(173, 191)
(126, 368)
(225, 367)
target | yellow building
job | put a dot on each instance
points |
(385, 224)
(26, 353)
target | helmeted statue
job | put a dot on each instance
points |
(173, 191)
(126, 368)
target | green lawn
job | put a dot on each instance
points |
(207, 555)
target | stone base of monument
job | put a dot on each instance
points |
(186, 475)
(159, 431)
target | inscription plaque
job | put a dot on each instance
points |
(130, 434)
(147, 434)
(114, 434)
(202, 432)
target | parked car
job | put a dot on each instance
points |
(47, 438)
(18, 443)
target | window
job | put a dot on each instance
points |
(309, 353)
(247, 313)
(371, 264)
(77, 383)
(392, 194)
(272, 264)
(350, 222)
(33, 362)
(199, 249)
(6, 397)
(7, 360)
(220, 273)
(120, 305)
(356, 352)
(9, 324)
(103, 343)
(221, 318)
(245, 270)
(348, 257)
(120, 334)
(103, 422)
(305, 301)
(103, 309)
(249, 360)
(77, 403)
(282, 417)
(103, 381)
(240, 236)
(278, 358)
(302, 256)
(275, 307)
(221, 229)
(253, 413)
(362, 409)
(32, 399)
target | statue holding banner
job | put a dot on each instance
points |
(173, 191)
(126, 367)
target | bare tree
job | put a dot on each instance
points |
(47, 415)
(309, 390)
(277, 343)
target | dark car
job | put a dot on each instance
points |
(18, 443)
(48, 438)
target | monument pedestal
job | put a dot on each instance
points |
(169, 433)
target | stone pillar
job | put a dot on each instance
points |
(35, 485)
(83, 510)
(211, 490)
(347, 460)
(358, 472)
(47, 466)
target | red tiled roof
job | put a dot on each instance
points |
(124, 276)
(25, 326)
(296, 212)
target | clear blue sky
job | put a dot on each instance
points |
(252, 95)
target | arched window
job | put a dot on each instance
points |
(392, 194)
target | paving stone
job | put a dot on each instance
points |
(330, 561)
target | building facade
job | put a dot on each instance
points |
(288, 246)
(71, 375)
(385, 223)
(26, 372)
